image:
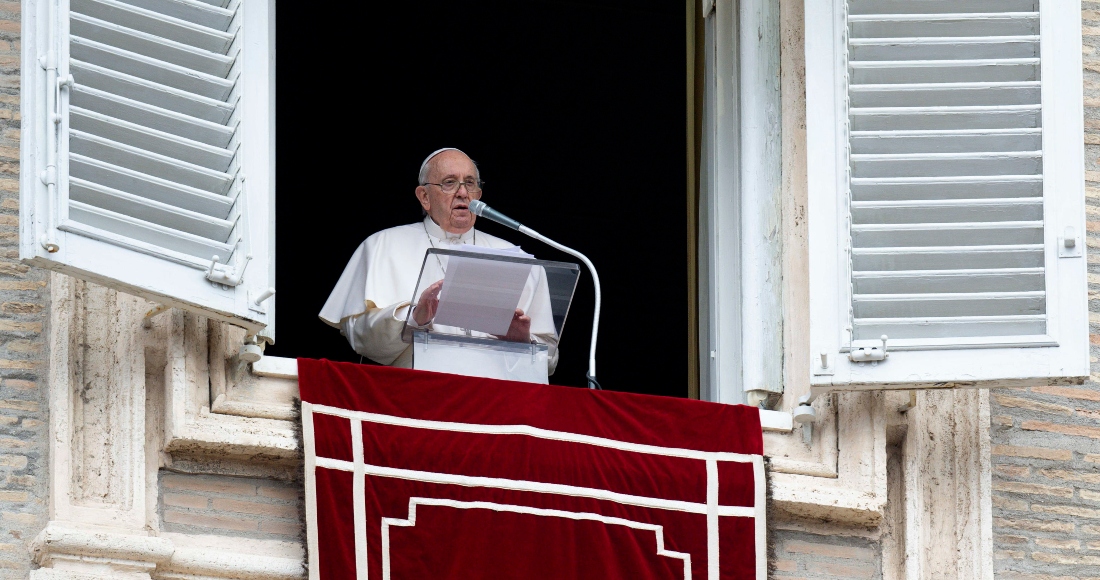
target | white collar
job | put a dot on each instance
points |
(437, 232)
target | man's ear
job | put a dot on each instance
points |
(422, 197)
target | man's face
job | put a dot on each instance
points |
(450, 210)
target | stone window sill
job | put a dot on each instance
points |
(287, 368)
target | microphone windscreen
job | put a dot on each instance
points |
(481, 209)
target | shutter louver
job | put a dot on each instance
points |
(152, 117)
(946, 172)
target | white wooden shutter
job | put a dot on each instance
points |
(946, 167)
(148, 149)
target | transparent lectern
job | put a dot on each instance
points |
(479, 291)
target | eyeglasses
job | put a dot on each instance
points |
(452, 185)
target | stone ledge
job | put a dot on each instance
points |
(51, 574)
(810, 497)
(59, 540)
(276, 367)
(224, 406)
(96, 554)
(287, 368)
(187, 563)
(236, 436)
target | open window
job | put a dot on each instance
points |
(561, 147)
(147, 153)
(946, 193)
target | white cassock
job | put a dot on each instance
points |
(370, 303)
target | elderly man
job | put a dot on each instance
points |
(370, 303)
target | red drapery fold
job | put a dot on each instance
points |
(415, 475)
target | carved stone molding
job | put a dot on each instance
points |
(194, 564)
(857, 494)
(83, 553)
(97, 405)
(98, 553)
(196, 363)
(120, 391)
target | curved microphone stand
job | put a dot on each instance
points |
(481, 209)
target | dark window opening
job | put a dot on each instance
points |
(575, 113)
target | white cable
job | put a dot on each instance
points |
(595, 282)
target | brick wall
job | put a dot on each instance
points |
(23, 302)
(1046, 482)
(800, 556)
(1046, 440)
(231, 506)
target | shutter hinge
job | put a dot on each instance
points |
(869, 353)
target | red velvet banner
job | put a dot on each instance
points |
(414, 475)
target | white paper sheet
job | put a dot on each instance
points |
(482, 295)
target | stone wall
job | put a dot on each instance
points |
(23, 305)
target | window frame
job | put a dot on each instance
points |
(741, 314)
(719, 213)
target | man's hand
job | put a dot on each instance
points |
(429, 303)
(520, 328)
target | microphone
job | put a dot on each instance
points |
(481, 209)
